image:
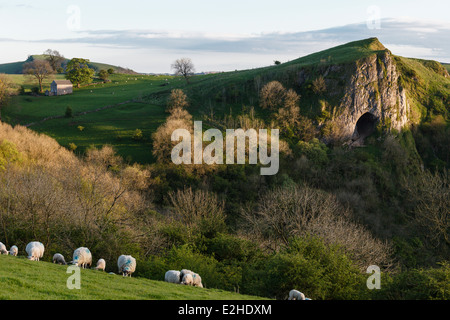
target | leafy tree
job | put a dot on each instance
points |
(54, 58)
(103, 74)
(110, 70)
(78, 71)
(184, 67)
(40, 69)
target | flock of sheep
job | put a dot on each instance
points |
(82, 257)
(186, 277)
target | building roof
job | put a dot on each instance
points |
(62, 82)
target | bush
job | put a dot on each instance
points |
(103, 74)
(418, 284)
(318, 270)
(72, 146)
(137, 135)
(68, 113)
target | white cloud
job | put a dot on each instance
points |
(154, 50)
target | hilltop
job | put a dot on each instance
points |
(17, 67)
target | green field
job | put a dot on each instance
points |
(127, 110)
(22, 279)
(17, 67)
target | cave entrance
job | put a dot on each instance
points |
(365, 125)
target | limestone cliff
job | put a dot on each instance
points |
(372, 96)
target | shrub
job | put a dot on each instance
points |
(68, 113)
(318, 85)
(321, 271)
(272, 95)
(72, 146)
(418, 284)
(137, 135)
(177, 100)
(103, 74)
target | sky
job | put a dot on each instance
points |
(147, 36)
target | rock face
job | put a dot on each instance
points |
(372, 95)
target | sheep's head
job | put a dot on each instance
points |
(187, 279)
(3, 251)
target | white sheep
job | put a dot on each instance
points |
(3, 249)
(173, 276)
(188, 280)
(196, 279)
(35, 250)
(82, 257)
(127, 265)
(59, 259)
(297, 295)
(101, 265)
(14, 251)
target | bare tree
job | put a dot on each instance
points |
(289, 114)
(284, 213)
(40, 69)
(54, 58)
(177, 99)
(430, 195)
(184, 67)
(200, 211)
(319, 85)
(272, 95)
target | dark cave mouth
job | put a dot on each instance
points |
(365, 125)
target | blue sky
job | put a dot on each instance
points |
(218, 35)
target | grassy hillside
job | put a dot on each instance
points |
(17, 67)
(214, 94)
(30, 280)
(114, 126)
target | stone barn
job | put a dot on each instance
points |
(61, 87)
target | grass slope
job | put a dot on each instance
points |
(114, 126)
(220, 93)
(22, 279)
(17, 67)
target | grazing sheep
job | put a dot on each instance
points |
(173, 276)
(196, 279)
(297, 295)
(35, 250)
(3, 249)
(127, 265)
(59, 259)
(82, 257)
(14, 251)
(101, 265)
(188, 280)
